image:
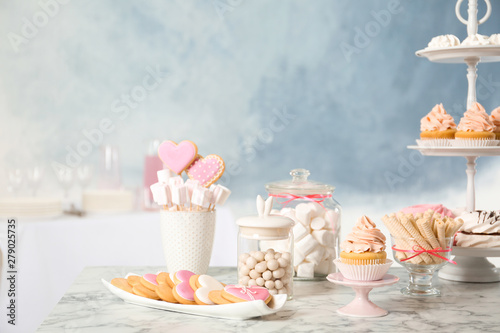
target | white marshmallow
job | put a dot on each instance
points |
(324, 237)
(318, 223)
(307, 244)
(316, 255)
(161, 193)
(222, 194)
(201, 197)
(177, 180)
(305, 270)
(191, 185)
(299, 231)
(303, 213)
(298, 257)
(316, 209)
(331, 218)
(164, 175)
(179, 194)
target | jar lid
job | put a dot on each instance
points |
(299, 184)
(265, 226)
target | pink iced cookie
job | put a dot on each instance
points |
(149, 281)
(423, 208)
(177, 157)
(238, 293)
(206, 170)
(182, 291)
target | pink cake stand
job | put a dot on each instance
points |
(361, 306)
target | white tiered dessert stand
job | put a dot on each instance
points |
(472, 263)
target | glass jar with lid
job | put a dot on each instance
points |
(265, 250)
(316, 215)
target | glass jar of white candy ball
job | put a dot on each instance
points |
(316, 215)
(265, 250)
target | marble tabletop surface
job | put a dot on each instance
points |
(88, 306)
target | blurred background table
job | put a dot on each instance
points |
(88, 306)
(52, 252)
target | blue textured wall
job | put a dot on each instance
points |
(268, 85)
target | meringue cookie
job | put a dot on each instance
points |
(476, 40)
(443, 41)
(494, 39)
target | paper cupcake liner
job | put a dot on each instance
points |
(434, 143)
(474, 142)
(363, 272)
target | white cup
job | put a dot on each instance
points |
(187, 239)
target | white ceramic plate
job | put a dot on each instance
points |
(475, 251)
(458, 54)
(237, 311)
(458, 151)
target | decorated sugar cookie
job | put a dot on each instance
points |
(237, 293)
(149, 281)
(177, 157)
(182, 291)
(206, 284)
(206, 170)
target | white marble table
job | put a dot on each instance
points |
(88, 306)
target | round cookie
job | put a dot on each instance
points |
(192, 282)
(122, 284)
(140, 290)
(206, 284)
(164, 291)
(237, 293)
(149, 281)
(133, 279)
(216, 297)
(164, 277)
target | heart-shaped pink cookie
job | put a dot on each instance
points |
(206, 170)
(177, 157)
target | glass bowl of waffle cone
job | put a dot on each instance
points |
(422, 244)
(363, 256)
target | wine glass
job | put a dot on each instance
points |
(16, 179)
(66, 177)
(421, 264)
(84, 175)
(35, 175)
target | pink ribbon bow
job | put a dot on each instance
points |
(419, 250)
(319, 198)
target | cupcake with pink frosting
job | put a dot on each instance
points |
(363, 255)
(495, 120)
(475, 128)
(437, 124)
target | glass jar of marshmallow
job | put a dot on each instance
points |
(265, 250)
(316, 215)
